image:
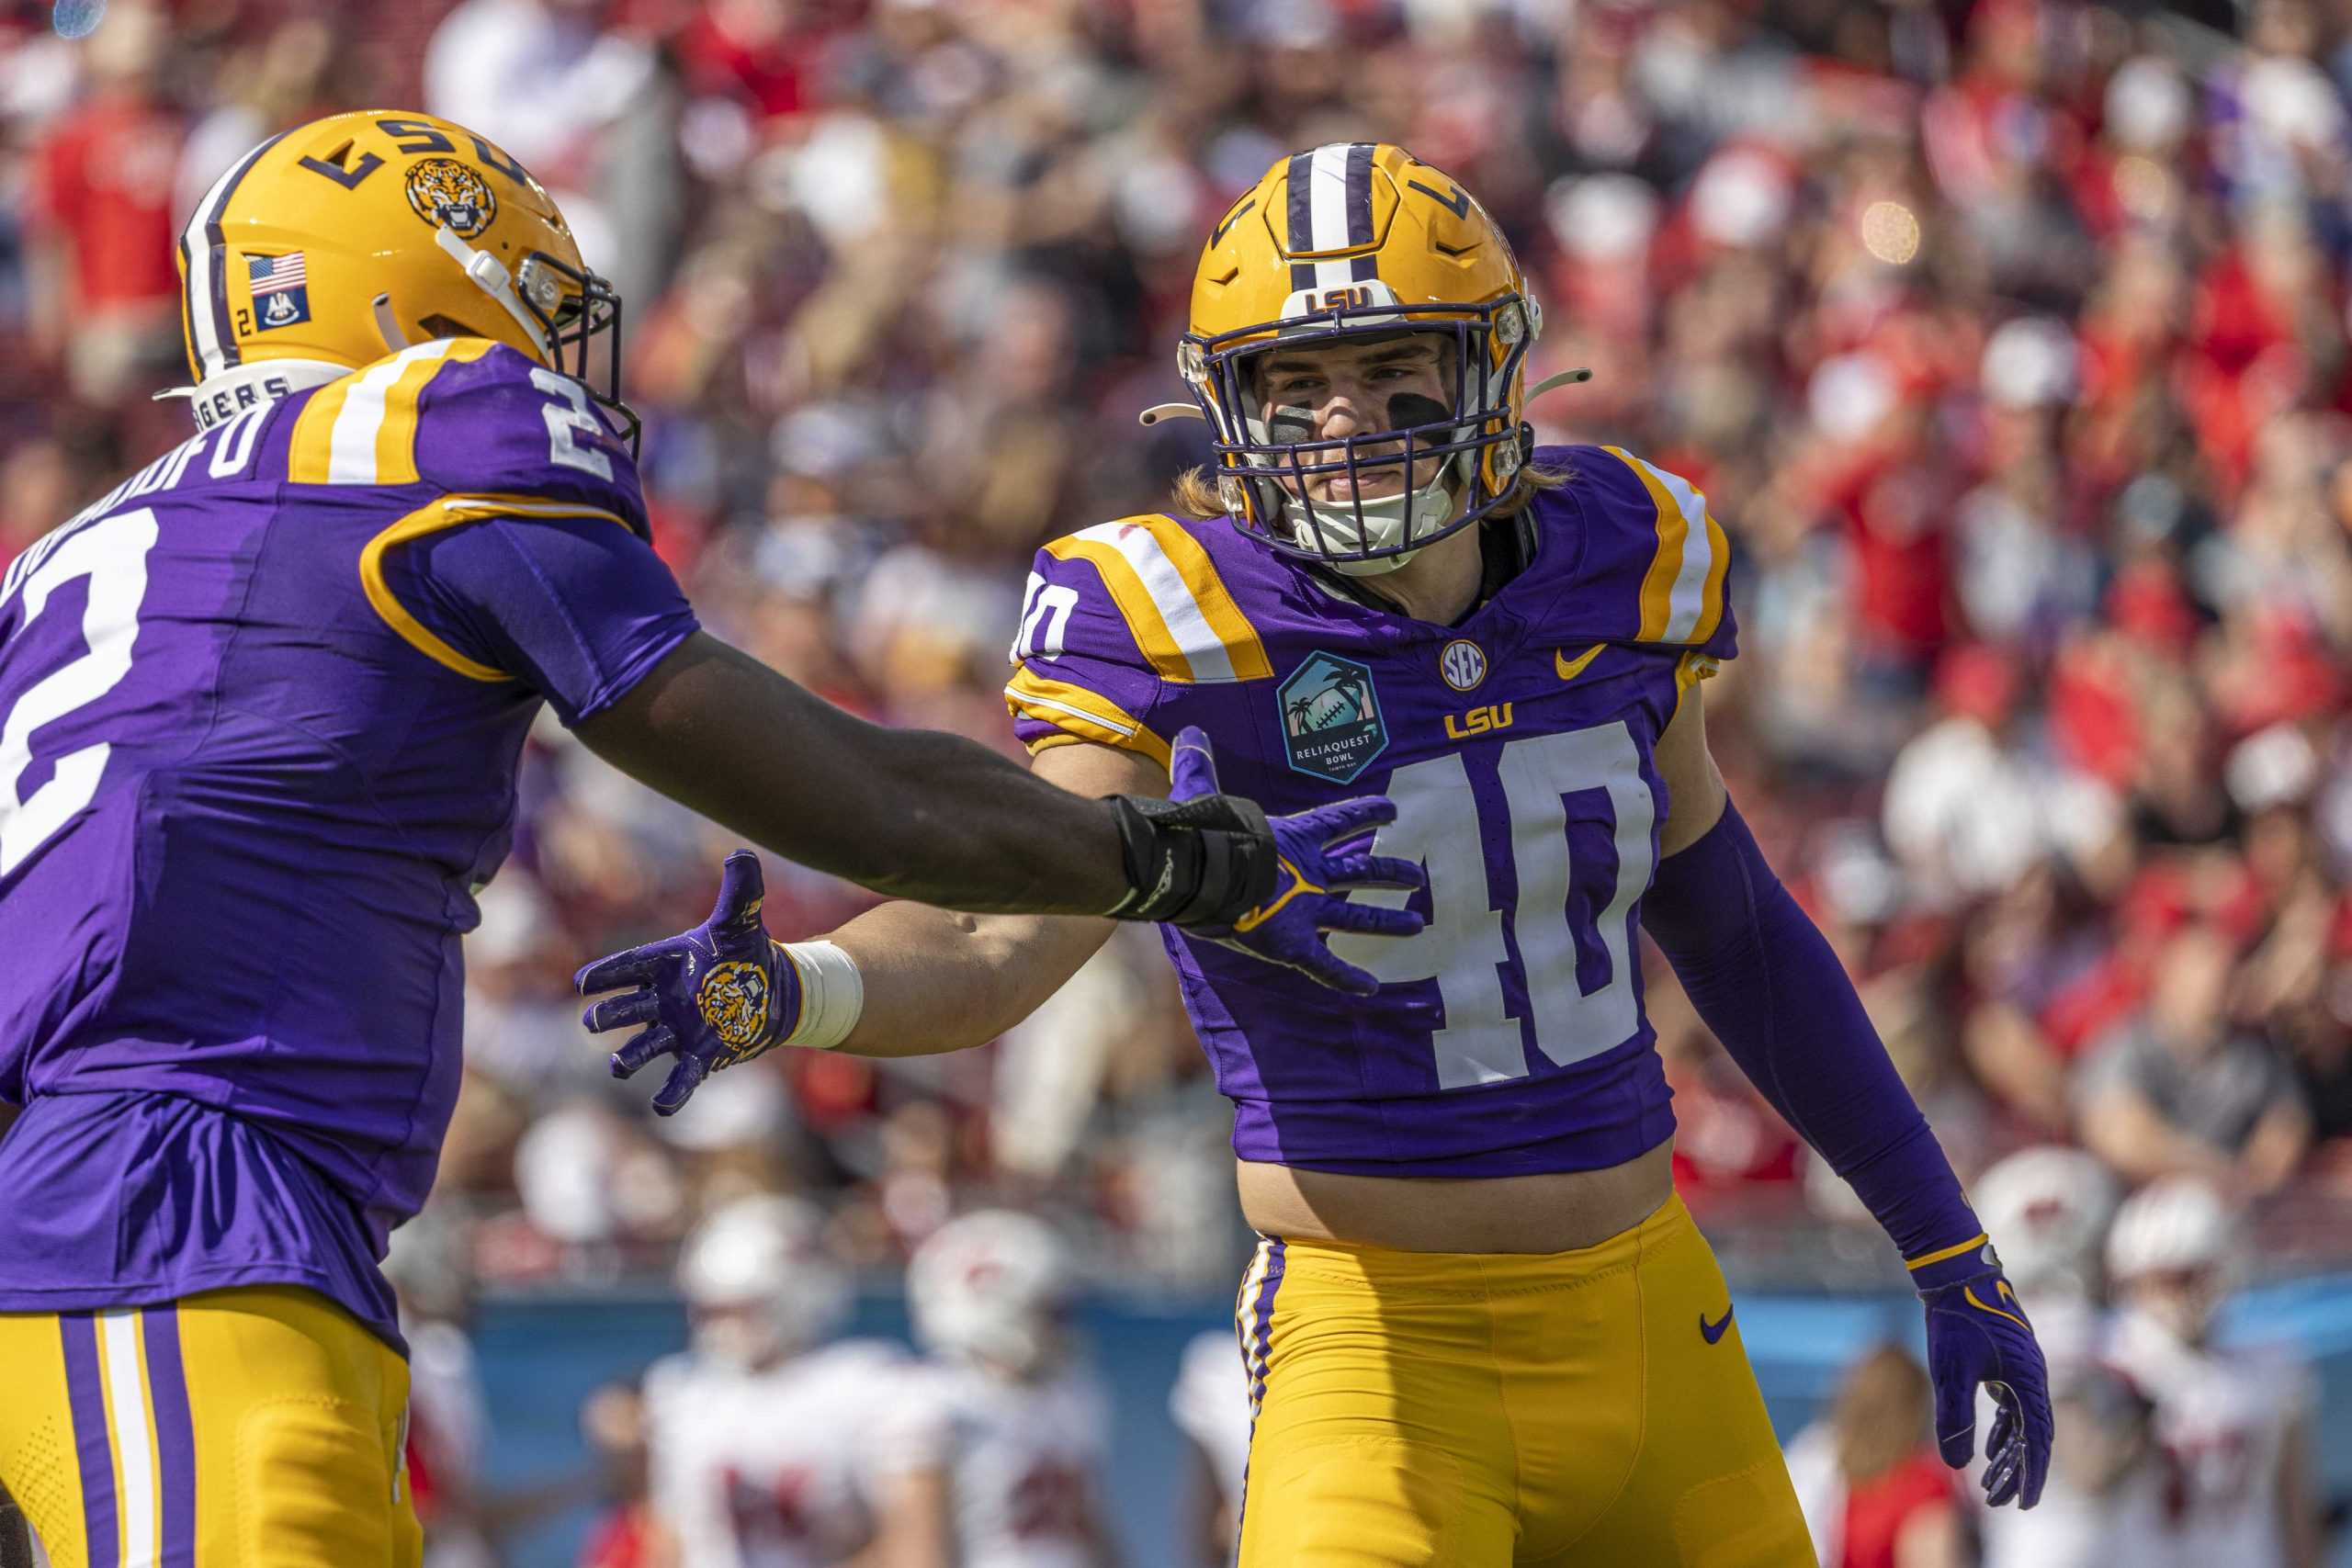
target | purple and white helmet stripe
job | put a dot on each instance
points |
(1331, 210)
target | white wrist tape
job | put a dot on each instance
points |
(832, 994)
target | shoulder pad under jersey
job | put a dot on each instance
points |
(473, 418)
(1652, 563)
(1116, 615)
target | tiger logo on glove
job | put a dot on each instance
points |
(733, 999)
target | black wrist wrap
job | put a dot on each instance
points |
(1199, 863)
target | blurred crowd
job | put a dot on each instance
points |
(2009, 339)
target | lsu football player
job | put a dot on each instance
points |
(260, 712)
(1480, 1328)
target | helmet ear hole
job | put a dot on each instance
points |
(439, 326)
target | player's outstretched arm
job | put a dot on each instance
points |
(908, 978)
(937, 819)
(1768, 984)
(911, 813)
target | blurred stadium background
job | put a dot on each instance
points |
(2008, 337)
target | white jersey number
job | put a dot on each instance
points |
(1463, 947)
(113, 555)
(1044, 609)
(565, 423)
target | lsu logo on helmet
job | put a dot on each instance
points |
(733, 999)
(448, 195)
(355, 236)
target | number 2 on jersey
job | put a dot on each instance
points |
(112, 555)
(1463, 949)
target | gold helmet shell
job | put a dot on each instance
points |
(351, 237)
(1353, 240)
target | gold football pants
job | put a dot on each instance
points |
(1479, 1410)
(259, 1427)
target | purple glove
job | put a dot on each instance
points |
(1977, 1334)
(1311, 896)
(719, 994)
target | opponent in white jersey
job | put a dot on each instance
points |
(2107, 1503)
(999, 1439)
(1210, 1405)
(763, 1450)
(2051, 1206)
(2234, 1423)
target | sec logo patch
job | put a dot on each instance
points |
(1463, 663)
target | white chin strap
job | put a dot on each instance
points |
(1388, 521)
(490, 275)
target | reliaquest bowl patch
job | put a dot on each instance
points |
(1331, 724)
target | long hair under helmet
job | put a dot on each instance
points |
(1347, 242)
(350, 238)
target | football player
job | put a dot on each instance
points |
(761, 1439)
(260, 712)
(2236, 1423)
(2052, 1207)
(1480, 1328)
(1211, 1407)
(1000, 1436)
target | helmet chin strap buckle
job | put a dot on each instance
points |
(489, 275)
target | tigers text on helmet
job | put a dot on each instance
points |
(329, 246)
(990, 1287)
(1347, 243)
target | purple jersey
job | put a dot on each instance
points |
(1509, 1037)
(260, 713)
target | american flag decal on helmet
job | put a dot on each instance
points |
(272, 274)
(280, 287)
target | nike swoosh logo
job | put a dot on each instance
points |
(1710, 1332)
(1569, 669)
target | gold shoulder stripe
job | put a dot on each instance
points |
(449, 511)
(362, 429)
(1083, 715)
(1657, 582)
(1245, 654)
(395, 439)
(1682, 589)
(1710, 594)
(1168, 590)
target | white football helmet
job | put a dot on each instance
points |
(2174, 1252)
(758, 1282)
(990, 1287)
(2047, 1208)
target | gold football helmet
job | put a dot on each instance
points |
(1357, 240)
(353, 236)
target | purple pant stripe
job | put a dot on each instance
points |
(1254, 1351)
(174, 1433)
(85, 1391)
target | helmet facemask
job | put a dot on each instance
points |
(574, 307)
(1271, 464)
(564, 308)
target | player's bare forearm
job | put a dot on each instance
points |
(911, 813)
(937, 980)
(940, 980)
